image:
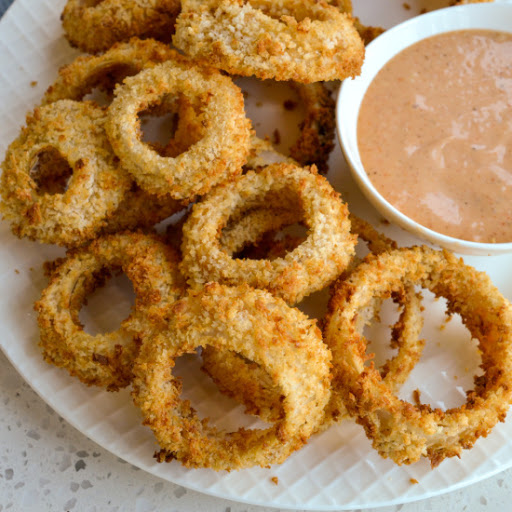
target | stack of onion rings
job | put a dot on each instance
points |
(250, 385)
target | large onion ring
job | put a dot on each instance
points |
(95, 189)
(220, 153)
(324, 254)
(263, 329)
(301, 40)
(95, 25)
(105, 359)
(398, 429)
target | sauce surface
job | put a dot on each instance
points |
(435, 134)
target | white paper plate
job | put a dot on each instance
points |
(337, 470)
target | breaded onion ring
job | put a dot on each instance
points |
(95, 25)
(219, 154)
(76, 131)
(316, 139)
(324, 254)
(86, 72)
(301, 40)
(398, 429)
(105, 359)
(250, 385)
(263, 329)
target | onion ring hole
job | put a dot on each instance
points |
(97, 314)
(222, 411)
(51, 172)
(447, 339)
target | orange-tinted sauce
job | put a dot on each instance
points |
(435, 134)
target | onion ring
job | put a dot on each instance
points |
(324, 254)
(218, 156)
(105, 359)
(79, 78)
(250, 385)
(95, 189)
(316, 139)
(398, 429)
(300, 40)
(95, 25)
(261, 328)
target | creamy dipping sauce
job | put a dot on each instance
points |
(435, 134)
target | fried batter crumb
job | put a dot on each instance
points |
(275, 480)
(416, 396)
(33, 83)
(259, 103)
(276, 137)
(414, 481)
(290, 105)
(16, 270)
(406, 6)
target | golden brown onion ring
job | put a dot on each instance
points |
(76, 132)
(218, 156)
(324, 254)
(301, 40)
(95, 25)
(398, 429)
(261, 328)
(316, 139)
(105, 71)
(105, 359)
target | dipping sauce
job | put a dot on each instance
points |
(435, 134)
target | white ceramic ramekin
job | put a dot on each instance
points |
(495, 16)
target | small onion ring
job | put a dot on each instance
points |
(321, 258)
(105, 359)
(260, 327)
(79, 78)
(301, 40)
(219, 154)
(316, 139)
(95, 189)
(398, 429)
(95, 25)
